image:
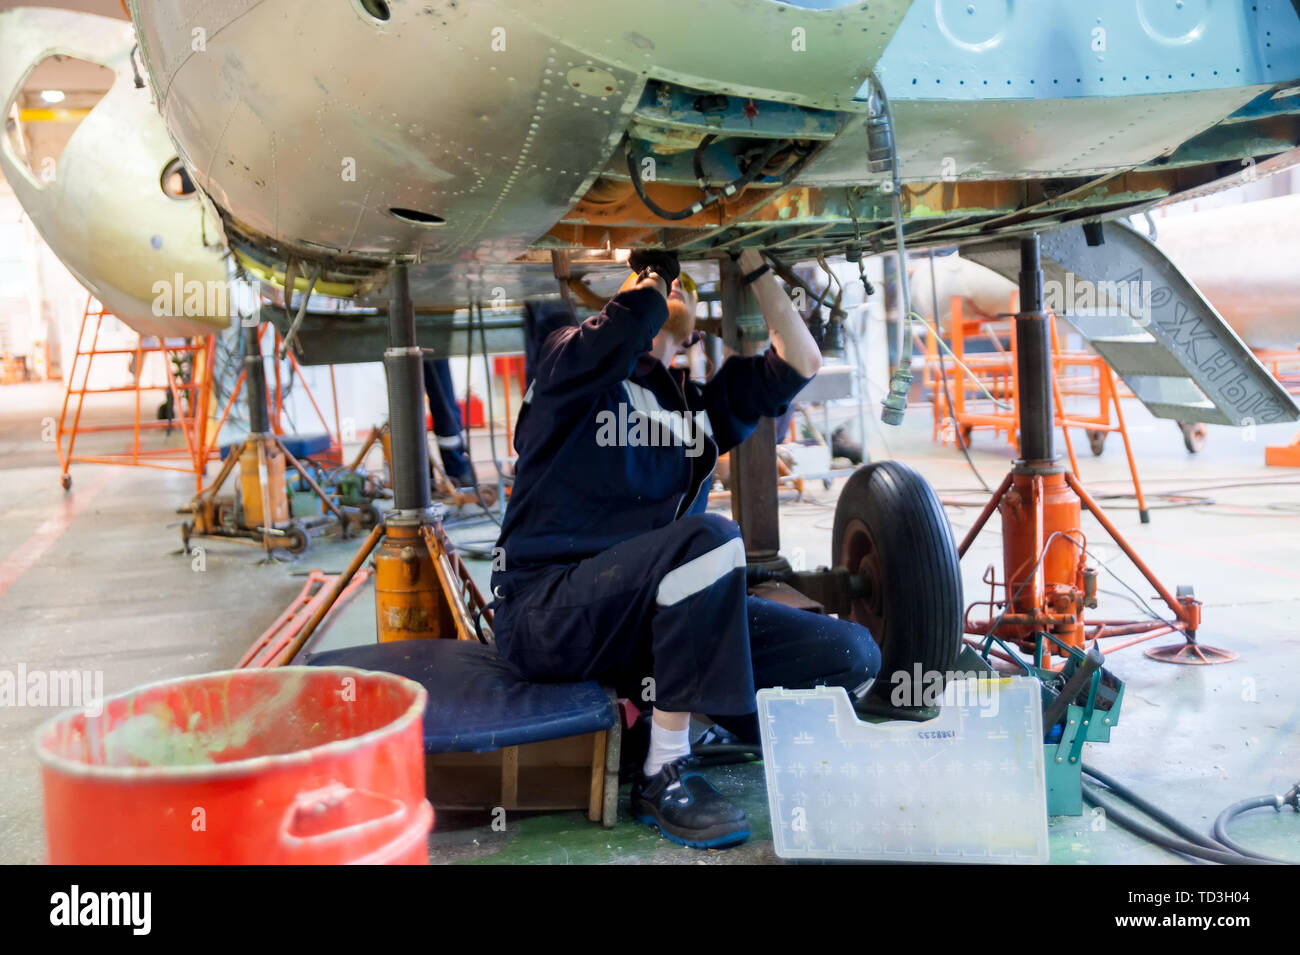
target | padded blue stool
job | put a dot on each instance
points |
(492, 739)
(299, 445)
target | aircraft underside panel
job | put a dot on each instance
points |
(351, 132)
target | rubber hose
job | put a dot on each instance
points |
(1156, 837)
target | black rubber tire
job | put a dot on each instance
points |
(916, 612)
(1096, 442)
(298, 541)
(1194, 435)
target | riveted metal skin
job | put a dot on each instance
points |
(102, 209)
(460, 138)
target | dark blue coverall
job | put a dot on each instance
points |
(447, 427)
(612, 569)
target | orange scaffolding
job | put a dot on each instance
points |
(1080, 377)
(1285, 366)
(190, 399)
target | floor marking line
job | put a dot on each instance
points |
(50, 530)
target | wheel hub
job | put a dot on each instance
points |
(862, 557)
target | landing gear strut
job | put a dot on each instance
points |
(896, 569)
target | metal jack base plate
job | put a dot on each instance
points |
(1190, 653)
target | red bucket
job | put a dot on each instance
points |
(315, 765)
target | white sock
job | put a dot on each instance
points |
(665, 746)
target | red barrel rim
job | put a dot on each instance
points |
(239, 767)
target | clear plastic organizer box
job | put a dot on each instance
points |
(967, 786)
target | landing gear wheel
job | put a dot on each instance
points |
(298, 541)
(891, 528)
(1194, 435)
(66, 481)
(1096, 442)
(487, 495)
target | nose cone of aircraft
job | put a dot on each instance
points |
(100, 203)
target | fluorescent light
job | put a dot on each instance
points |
(53, 96)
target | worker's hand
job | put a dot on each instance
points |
(655, 281)
(661, 260)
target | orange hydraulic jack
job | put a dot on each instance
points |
(422, 589)
(1048, 583)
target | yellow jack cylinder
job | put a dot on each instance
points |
(250, 486)
(409, 601)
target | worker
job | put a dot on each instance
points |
(611, 569)
(447, 422)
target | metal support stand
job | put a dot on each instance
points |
(754, 502)
(1047, 582)
(261, 459)
(422, 590)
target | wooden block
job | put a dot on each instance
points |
(568, 773)
(510, 777)
(596, 792)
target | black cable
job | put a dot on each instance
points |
(1246, 805)
(728, 749)
(1155, 812)
(469, 458)
(475, 550)
(697, 159)
(751, 173)
(1158, 838)
(1219, 848)
(671, 215)
(725, 754)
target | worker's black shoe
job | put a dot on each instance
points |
(687, 809)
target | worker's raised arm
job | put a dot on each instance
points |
(580, 360)
(747, 389)
(790, 335)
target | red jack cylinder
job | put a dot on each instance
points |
(1041, 516)
(1047, 581)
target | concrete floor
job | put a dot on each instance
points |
(92, 580)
